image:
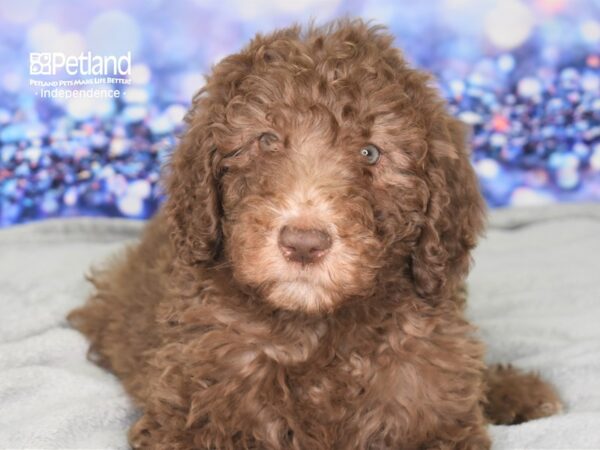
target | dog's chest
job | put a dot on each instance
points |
(336, 380)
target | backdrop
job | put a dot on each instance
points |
(92, 93)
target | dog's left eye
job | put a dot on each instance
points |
(370, 153)
(268, 142)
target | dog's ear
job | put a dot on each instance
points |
(193, 207)
(455, 214)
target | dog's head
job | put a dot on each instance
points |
(320, 168)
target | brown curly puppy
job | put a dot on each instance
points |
(302, 287)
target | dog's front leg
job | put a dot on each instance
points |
(214, 392)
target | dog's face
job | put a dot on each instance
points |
(315, 168)
(299, 204)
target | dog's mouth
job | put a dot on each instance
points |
(300, 271)
(302, 294)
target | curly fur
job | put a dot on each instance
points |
(226, 345)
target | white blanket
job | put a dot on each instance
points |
(535, 293)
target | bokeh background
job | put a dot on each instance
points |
(524, 74)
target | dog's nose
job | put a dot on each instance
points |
(302, 245)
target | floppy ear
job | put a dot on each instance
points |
(193, 207)
(455, 214)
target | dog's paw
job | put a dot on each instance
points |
(514, 397)
(140, 434)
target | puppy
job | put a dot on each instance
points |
(302, 288)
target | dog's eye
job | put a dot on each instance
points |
(268, 142)
(370, 153)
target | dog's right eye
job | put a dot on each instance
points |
(268, 142)
(370, 153)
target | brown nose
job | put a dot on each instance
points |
(303, 246)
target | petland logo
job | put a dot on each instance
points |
(51, 63)
(84, 71)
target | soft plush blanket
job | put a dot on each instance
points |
(534, 292)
